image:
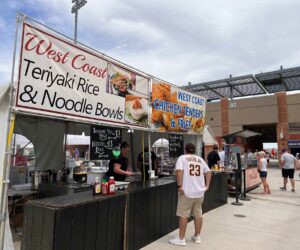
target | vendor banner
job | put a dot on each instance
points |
(63, 79)
(176, 110)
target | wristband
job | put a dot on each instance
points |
(179, 186)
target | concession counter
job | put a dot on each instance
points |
(129, 219)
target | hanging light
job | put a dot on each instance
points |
(281, 136)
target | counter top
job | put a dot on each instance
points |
(76, 199)
(70, 200)
(141, 185)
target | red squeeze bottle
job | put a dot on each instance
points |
(104, 186)
(111, 185)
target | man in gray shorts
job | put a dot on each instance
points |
(287, 163)
(191, 185)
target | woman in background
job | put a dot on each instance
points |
(263, 172)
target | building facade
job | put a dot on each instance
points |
(275, 116)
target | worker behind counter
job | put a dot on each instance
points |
(213, 157)
(143, 158)
(118, 166)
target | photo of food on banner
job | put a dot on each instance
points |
(136, 110)
(175, 110)
(134, 89)
(120, 82)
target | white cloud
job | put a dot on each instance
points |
(179, 41)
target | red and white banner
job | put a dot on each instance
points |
(60, 78)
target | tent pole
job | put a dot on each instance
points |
(149, 149)
(9, 133)
(14, 152)
(131, 151)
(143, 153)
(149, 123)
(65, 144)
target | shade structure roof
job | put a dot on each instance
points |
(249, 85)
(244, 134)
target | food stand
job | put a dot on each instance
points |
(236, 144)
(68, 88)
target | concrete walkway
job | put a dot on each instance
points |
(266, 222)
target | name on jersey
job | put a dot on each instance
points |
(193, 159)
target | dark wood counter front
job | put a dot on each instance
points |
(151, 211)
(216, 196)
(77, 221)
(146, 210)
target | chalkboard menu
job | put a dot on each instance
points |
(105, 142)
(175, 145)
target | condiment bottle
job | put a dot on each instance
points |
(111, 185)
(97, 186)
(104, 186)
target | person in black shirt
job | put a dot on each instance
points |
(118, 166)
(143, 158)
(213, 157)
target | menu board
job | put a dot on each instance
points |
(105, 142)
(175, 145)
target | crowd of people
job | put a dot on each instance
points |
(191, 170)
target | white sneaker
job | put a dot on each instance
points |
(197, 239)
(177, 241)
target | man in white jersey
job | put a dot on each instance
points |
(191, 185)
(222, 157)
(287, 163)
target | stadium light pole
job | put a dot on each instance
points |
(77, 5)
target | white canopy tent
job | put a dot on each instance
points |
(4, 116)
(78, 140)
(163, 143)
(209, 137)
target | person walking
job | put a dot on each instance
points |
(287, 163)
(273, 153)
(263, 172)
(191, 185)
(76, 154)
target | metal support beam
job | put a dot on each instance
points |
(260, 85)
(233, 86)
(285, 87)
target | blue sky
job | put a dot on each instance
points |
(178, 41)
